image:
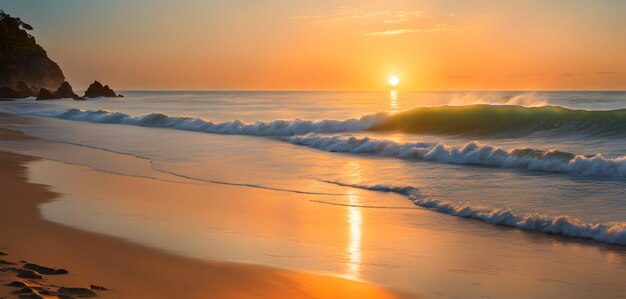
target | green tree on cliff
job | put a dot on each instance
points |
(14, 39)
(22, 59)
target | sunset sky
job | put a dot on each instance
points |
(346, 45)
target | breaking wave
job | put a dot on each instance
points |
(472, 153)
(505, 119)
(237, 127)
(464, 120)
(611, 232)
(478, 118)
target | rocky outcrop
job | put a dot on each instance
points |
(44, 270)
(25, 63)
(45, 94)
(77, 292)
(22, 59)
(63, 92)
(10, 93)
(23, 88)
(96, 90)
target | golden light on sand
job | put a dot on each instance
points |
(394, 80)
(355, 226)
(355, 221)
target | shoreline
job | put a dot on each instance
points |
(415, 252)
(135, 271)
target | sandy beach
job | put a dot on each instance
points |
(313, 149)
(133, 271)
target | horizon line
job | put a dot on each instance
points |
(376, 90)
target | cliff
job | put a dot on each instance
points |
(22, 59)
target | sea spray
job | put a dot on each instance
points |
(506, 120)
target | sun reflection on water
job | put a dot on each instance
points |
(393, 96)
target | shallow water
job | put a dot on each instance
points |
(504, 175)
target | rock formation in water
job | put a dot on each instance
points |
(96, 90)
(45, 94)
(63, 92)
(22, 59)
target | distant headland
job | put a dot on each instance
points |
(27, 71)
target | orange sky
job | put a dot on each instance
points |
(354, 45)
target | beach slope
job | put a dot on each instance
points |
(134, 271)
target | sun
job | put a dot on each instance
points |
(394, 80)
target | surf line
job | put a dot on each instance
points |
(153, 167)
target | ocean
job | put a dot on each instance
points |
(550, 165)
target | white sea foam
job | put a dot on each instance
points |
(611, 232)
(472, 153)
(270, 128)
(302, 132)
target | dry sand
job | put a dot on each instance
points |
(135, 271)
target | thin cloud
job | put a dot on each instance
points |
(381, 22)
(387, 15)
(346, 13)
(434, 28)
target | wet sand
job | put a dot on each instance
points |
(134, 271)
